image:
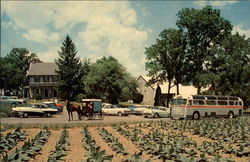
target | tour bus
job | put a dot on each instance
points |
(197, 106)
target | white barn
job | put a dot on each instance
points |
(149, 91)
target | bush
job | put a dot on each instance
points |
(38, 97)
(5, 110)
(137, 98)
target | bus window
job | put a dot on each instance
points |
(179, 102)
(240, 103)
(189, 102)
(198, 102)
(222, 102)
(236, 103)
(231, 103)
(211, 102)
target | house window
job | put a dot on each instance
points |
(55, 93)
(37, 91)
(54, 79)
(46, 92)
(37, 79)
(31, 79)
(45, 79)
(41, 79)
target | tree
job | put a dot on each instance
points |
(106, 80)
(230, 67)
(203, 29)
(14, 68)
(129, 86)
(158, 97)
(165, 59)
(69, 70)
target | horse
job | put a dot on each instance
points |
(71, 108)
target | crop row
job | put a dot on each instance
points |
(11, 139)
(94, 153)
(61, 147)
(112, 141)
(171, 146)
(30, 148)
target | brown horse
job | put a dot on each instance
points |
(71, 108)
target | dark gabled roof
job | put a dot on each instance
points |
(42, 69)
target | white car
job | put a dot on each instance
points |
(115, 110)
(33, 110)
(139, 109)
(157, 112)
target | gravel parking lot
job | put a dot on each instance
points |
(63, 118)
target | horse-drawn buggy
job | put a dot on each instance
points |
(91, 109)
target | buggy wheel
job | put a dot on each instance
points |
(101, 115)
(91, 116)
(80, 117)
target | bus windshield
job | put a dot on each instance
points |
(179, 102)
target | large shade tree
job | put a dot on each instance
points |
(13, 70)
(69, 70)
(229, 67)
(203, 28)
(108, 79)
(165, 59)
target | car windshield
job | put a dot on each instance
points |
(179, 102)
(50, 105)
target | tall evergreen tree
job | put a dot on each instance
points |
(69, 70)
(158, 97)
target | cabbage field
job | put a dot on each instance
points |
(174, 140)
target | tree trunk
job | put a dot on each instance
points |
(169, 86)
(198, 90)
(177, 88)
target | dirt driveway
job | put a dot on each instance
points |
(63, 118)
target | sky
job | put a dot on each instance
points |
(121, 29)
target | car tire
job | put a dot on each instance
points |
(196, 115)
(48, 115)
(156, 115)
(230, 115)
(25, 115)
(119, 113)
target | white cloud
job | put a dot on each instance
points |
(238, 28)
(40, 36)
(48, 56)
(221, 3)
(110, 28)
(36, 35)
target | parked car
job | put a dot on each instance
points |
(157, 112)
(12, 100)
(53, 105)
(115, 110)
(33, 110)
(139, 109)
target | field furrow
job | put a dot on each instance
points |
(76, 151)
(48, 146)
